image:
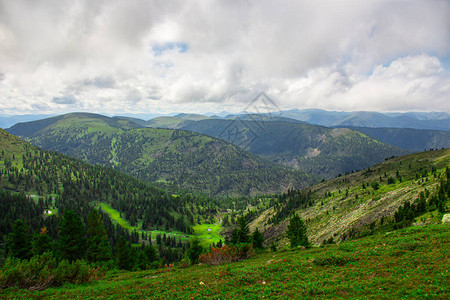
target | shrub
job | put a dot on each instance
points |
(334, 260)
(227, 254)
(43, 271)
(375, 185)
(390, 180)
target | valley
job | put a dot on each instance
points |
(161, 224)
(225, 149)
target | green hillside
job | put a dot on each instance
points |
(363, 202)
(174, 122)
(77, 123)
(409, 263)
(167, 122)
(309, 148)
(173, 158)
(409, 139)
(57, 183)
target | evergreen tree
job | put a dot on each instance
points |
(195, 250)
(158, 239)
(99, 247)
(124, 255)
(257, 239)
(244, 231)
(151, 253)
(297, 232)
(72, 242)
(19, 241)
(42, 242)
(234, 236)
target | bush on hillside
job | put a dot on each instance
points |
(227, 254)
(43, 271)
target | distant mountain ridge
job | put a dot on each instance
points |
(7, 121)
(310, 148)
(416, 120)
(407, 138)
(173, 158)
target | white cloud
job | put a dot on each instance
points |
(136, 56)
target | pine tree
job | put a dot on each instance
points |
(124, 255)
(99, 248)
(244, 231)
(19, 241)
(42, 242)
(257, 239)
(297, 232)
(72, 242)
(234, 236)
(195, 250)
(151, 253)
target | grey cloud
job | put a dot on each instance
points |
(64, 100)
(134, 96)
(215, 54)
(101, 82)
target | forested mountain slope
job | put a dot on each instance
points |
(313, 149)
(364, 202)
(177, 159)
(57, 182)
(409, 139)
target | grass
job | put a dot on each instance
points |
(208, 237)
(409, 263)
(115, 215)
(201, 231)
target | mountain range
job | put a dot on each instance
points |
(208, 155)
(415, 120)
(173, 158)
(314, 149)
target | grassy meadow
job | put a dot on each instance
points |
(409, 263)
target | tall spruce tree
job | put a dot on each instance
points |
(297, 232)
(72, 241)
(42, 242)
(195, 250)
(19, 241)
(151, 253)
(257, 239)
(99, 248)
(244, 231)
(124, 255)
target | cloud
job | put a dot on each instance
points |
(160, 56)
(64, 100)
(101, 82)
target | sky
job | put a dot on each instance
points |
(136, 56)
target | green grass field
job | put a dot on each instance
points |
(115, 215)
(201, 231)
(410, 263)
(208, 237)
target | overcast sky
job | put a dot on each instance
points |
(136, 56)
